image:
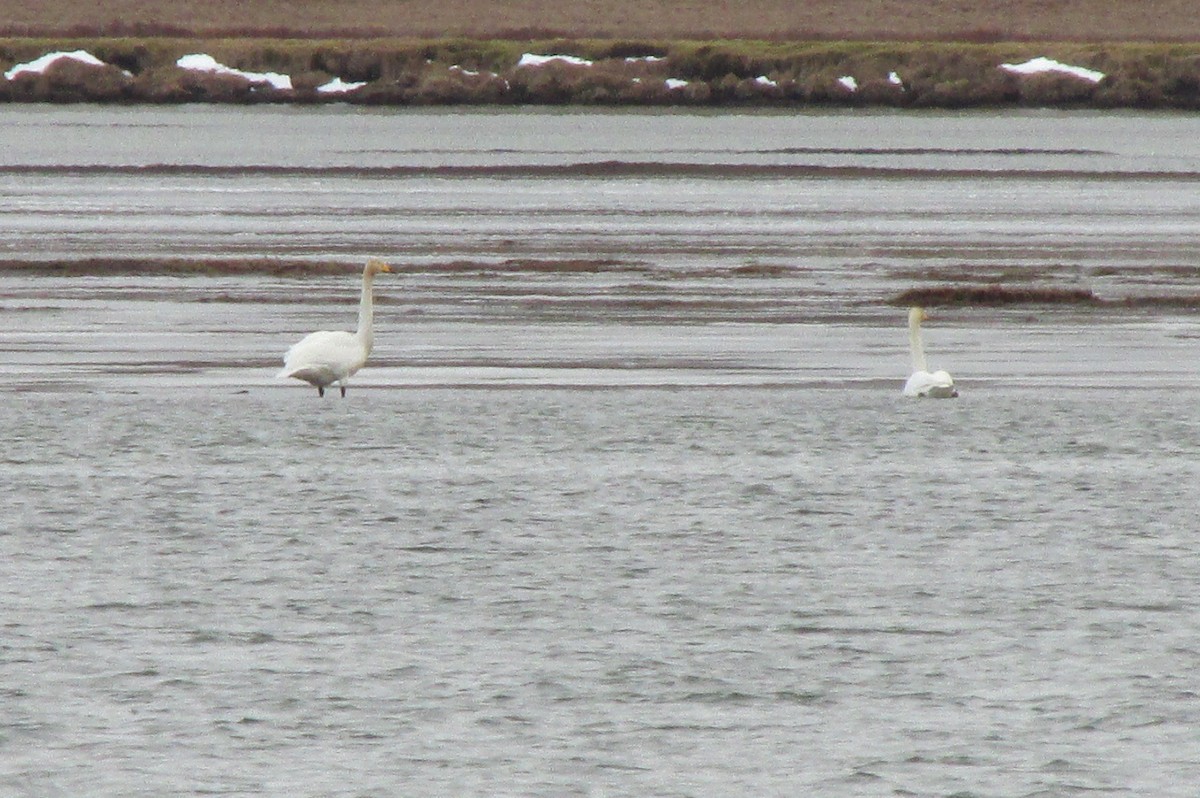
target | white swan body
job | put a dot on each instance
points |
(936, 385)
(326, 357)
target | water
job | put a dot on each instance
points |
(656, 526)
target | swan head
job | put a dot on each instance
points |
(917, 315)
(376, 266)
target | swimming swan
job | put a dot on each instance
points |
(325, 357)
(937, 385)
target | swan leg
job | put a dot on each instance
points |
(320, 390)
(343, 387)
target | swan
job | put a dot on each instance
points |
(937, 385)
(325, 357)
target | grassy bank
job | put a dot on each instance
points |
(616, 72)
(668, 20)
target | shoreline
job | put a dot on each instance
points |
(741, 73)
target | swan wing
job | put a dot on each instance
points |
(942, 378)
(324, 357)
(937, 385)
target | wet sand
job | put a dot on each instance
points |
(597, 249)
(98, 334)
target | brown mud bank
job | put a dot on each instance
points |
(998, 296)
(627, 169)
(1176, 292)
(297, 268)
(608, 72)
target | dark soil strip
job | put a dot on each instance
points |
(995, 295)
(597, 169)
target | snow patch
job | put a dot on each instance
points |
(848, 83)
(1037, 66)
(675, 83)
(532, 60)
(648, 59)
(473, 73)
(763, 80)
(894, 79)
(198, 62)
(339, 86)
(39, 65)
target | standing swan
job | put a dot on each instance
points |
(325, 357)
(937, 385)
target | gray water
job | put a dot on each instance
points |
(662, 525)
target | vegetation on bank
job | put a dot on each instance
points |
(607, 72)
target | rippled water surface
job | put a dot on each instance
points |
(627, 502)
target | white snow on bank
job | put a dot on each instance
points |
(198, 62)
(649, 59)
(1035, 66)
(763, 80)
(472, 73)
(39, 65)
(848, 83)
(339, 86)
(675, 83)
(894, 79)
(532, 60)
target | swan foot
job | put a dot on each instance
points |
(343, 387)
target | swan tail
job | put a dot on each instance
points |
(942, 392)
(311, 374)
(938, 385)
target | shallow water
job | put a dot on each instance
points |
(656, 526)
(553, 591)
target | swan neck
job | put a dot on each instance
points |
(914, 343)
(366, 311)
